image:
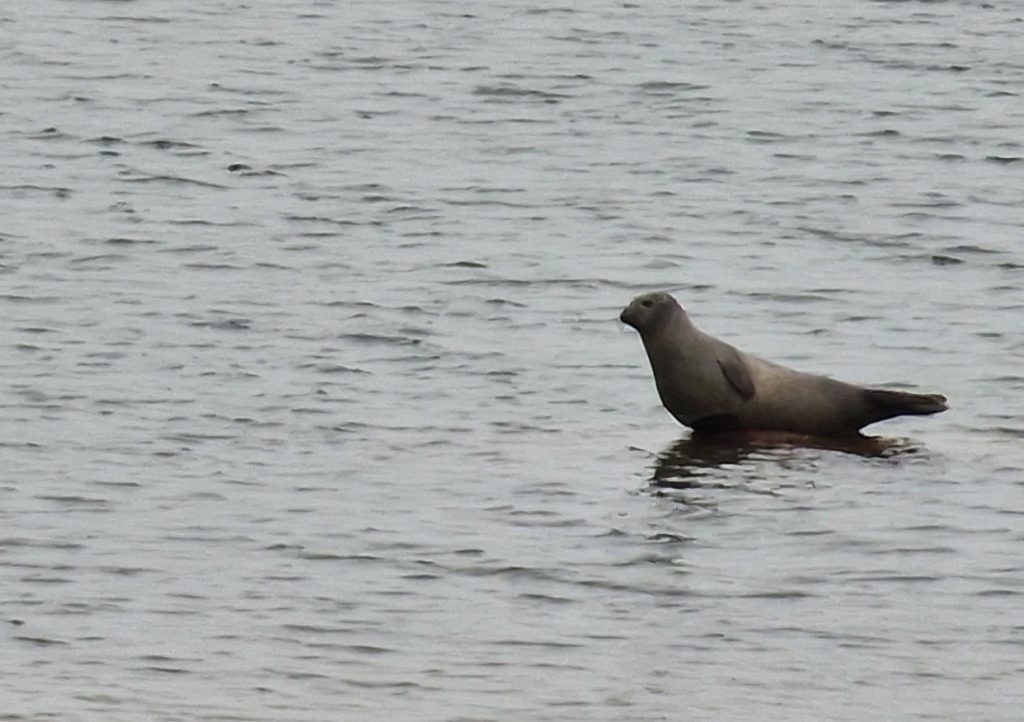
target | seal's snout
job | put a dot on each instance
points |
(631, 315)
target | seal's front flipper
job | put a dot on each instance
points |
(735, 371)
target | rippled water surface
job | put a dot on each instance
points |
(316, 405)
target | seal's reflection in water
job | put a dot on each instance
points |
(688, 461)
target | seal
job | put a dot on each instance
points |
(710, 386)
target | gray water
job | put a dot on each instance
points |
(316, 407)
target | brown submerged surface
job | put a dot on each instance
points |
(687, 460)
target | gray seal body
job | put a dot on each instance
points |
(710, 386)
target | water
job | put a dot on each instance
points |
(316, 406)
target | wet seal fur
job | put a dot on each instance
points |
(713, 387)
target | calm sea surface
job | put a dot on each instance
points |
(315, 404)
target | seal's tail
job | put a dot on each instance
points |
(897, 403)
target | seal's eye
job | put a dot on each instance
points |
(647, 303)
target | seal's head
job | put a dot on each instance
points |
(650, 311)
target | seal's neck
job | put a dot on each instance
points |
(672, 335)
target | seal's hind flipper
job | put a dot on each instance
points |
(898, 403)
